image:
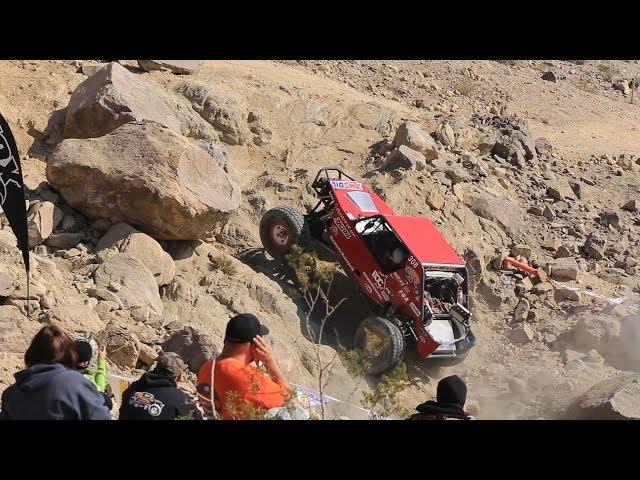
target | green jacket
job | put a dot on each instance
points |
(99, 377)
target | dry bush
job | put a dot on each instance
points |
(223, 264)
(608, 70)
(467, 87)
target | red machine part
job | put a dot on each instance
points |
(523, 267)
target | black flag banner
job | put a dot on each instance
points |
(12, 195)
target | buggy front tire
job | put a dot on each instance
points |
(281, 228)
(381, 344)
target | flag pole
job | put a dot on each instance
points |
(28, 292)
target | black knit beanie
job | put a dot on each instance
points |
(85, 352)
(452, 390)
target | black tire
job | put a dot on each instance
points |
(392, 347)
(290, 223)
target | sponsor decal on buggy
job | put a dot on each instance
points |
(399, 279)
(340, 224)
(335, 244)
(404, 295)
(369, 284)
(346, 184)
(412, 275)
(373, 285)
(147, 401)
(380, 280)
(414, 309)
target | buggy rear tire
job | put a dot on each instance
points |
(383, 356)
(281, 228)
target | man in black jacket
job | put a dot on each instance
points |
(156, 395)
(449, 405)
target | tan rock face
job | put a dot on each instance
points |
(136, 244)
(147, 176)
(42, 218)
(123, 347)
(617, 399)
(72, 318)
(193, 344)
(112, 97)
(138, 285)
(174, 66)
(411, 135)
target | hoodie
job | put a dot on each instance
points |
(157, 397)
(52, 392)
(440, 411)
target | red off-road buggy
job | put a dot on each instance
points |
(415, 282)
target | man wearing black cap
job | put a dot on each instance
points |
(156, 395)
(243, 389)
(449, 405)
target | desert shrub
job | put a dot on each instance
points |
(224, 264)
(608, 70)
(467, 87)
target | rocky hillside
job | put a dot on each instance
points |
(147, 182)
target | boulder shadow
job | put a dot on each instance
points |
(46, 141)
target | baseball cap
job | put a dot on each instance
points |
(243, 328)
(170, 362)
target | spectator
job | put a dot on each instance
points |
(242, 390)
(449, 405)
(97, 377)
(156, 395)
(49, 388)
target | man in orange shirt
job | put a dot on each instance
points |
(242, 389)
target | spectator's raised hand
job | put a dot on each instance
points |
(262, 351)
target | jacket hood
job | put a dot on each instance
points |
(450, 410)
(38, 376)
(156, 379)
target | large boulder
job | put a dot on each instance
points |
(6, 285)
(192, 344)
(65, 241)
(138, 286)
(373, 116)
(147, 176)
(42, 218)
(445, 134)
(600, 332)
(16, 330)
(616, 399)
(174, 66)
(127, 239)
(411, 135)
(74, 318)
(560, 190)
(404, 157)
(222, 111)
(595, 245)
(566, 268)
(500, 210)
(123, 347)
(112, 97)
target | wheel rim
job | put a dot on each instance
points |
(280, 235)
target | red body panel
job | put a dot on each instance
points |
(424, 241)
